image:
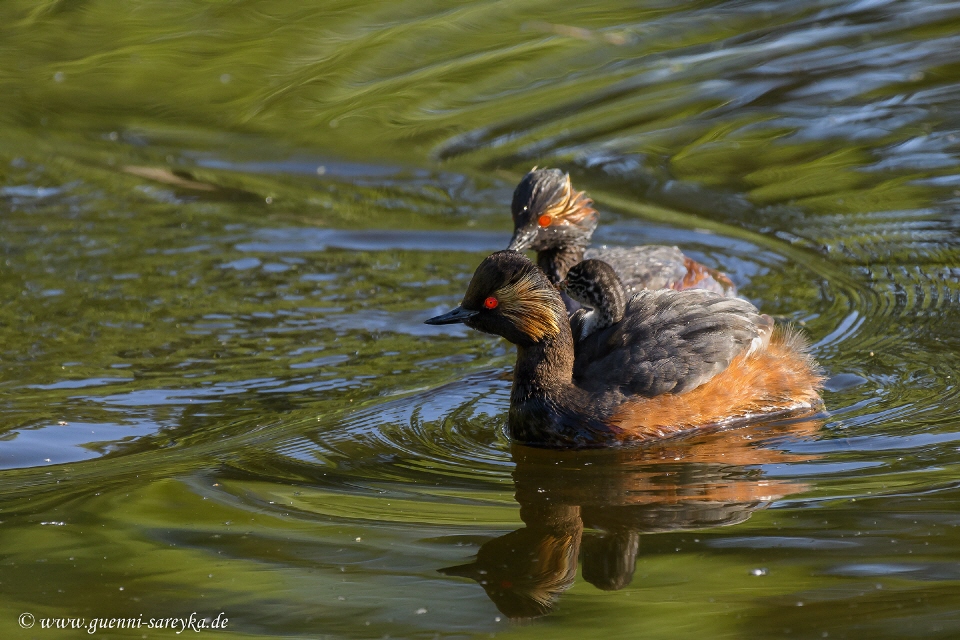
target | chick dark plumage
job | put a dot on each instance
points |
(595, 286)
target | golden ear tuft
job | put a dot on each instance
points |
(532, 308)
(572, 207)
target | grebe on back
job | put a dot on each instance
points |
(549, 217)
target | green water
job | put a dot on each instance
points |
(222, 224)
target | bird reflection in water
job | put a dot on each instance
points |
(710, 480)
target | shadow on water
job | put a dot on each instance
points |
(595, 506)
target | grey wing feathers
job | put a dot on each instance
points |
(644, 267)
(669, 342)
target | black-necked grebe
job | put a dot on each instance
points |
(676, 361)
(549, 217)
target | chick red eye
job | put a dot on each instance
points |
(544, 220)
(491, 303)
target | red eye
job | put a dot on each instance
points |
(544, 220)
(491, 303)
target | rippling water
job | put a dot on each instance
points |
(223, 223)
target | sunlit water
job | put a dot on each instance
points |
(223, 223)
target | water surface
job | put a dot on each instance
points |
(222, 225)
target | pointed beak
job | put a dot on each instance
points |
(452, 317)
(461, 570)
(522, 239)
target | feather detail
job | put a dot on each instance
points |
(531, 308)
(781, 378)
(669, 342)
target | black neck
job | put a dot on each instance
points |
(540, 402)
(546, 407)
(544, 369)
(556, 262)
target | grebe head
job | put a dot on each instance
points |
(509, 297)
(549, 214)
(595, 285)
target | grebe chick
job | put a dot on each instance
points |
(595, 285)
(678, 360)
(549, 217)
